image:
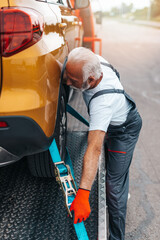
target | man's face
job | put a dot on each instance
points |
(74, 76)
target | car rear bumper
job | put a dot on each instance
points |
(7, 157)
(22, 137)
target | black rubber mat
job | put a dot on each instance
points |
(33, 208)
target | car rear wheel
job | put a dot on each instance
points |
(40, 164)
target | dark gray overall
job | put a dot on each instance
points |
(120, 142)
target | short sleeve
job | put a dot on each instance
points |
(101, 112)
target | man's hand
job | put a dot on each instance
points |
(81, 206)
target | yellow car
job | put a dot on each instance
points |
(35, 35)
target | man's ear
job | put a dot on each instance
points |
(91, 79)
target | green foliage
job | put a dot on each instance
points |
(128, 12)
(123, 9)
(115, 11)
(126, 8)
(141, 13)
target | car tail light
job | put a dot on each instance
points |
(19, 29)
(3, 124)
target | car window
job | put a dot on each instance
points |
(64, 2)
(41, 0)
(53, 1)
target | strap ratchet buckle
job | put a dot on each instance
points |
(66, 182)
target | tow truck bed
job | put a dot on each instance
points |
(33, 208)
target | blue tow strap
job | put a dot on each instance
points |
(74, 113)
(79, 227)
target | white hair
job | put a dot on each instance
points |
(91, 63)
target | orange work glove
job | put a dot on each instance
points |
(81, 206)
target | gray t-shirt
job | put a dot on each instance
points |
(109, 108)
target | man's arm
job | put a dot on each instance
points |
(80, 205)
(91, 157)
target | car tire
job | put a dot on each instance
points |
(40, 164)
(61, 124)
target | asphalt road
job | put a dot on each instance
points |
(135, 51)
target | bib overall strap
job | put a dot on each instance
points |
(63, 67)
(110, 66)
(130, 99)
(105, 91)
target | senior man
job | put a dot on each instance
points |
(115, 121)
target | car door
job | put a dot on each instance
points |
(69, 23)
